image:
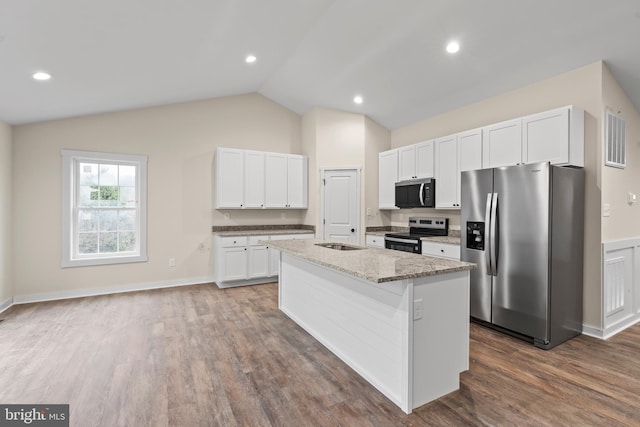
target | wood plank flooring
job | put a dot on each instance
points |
(202, 356)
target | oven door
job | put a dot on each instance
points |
(406, 245)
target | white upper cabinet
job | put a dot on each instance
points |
(470, 150)
(297, 176)
(502, 144)
(556, 136)
(276, 180)
(254, 179)
(247, 179)
(387, 178)
(447, 173)
(286, 178)
(229, 178)
(416, 161)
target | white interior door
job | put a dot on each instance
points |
(341, 203)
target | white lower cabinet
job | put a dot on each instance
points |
(375, 240)
(233, 258)
(242, 260)
(441, 250)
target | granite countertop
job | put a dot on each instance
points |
(451, 240)
(372, 264)
(263, 232)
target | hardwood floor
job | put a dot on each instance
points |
(202, 356)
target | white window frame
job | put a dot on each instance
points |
(70, 160)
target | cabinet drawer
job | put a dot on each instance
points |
(442, 250)
(231, 242)
(253, 240)
(374, 240)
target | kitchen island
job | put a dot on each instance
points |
(400, 320)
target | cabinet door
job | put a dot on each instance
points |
(387, 178)
(545, 137)
(254, 179)
(234, 263)
(447, 175)
(407, 163)
(258, 261)
(502, 144)
(424, 159)
(275, 180)
(229, 178)
(470, 150)
(297, 182)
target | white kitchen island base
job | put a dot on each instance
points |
(409, 338)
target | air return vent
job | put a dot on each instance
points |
(615, 137)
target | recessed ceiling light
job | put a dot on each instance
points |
(41, 75)
(250, 59)
(357, 99)
(453, 47)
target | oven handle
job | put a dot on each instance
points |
(409, 242)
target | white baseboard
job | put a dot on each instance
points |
(25, 299)
(592, 332)
(4, 305)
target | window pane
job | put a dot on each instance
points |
(127, 176)
(87, 220)
(108, 175)
(108, 242)
(127, 220)
(88, 195)
(127, 241)
(128, 197)
(109, 195)
(88, 243)
(108, 221)
(88, 173)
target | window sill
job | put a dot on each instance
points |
(86, 262)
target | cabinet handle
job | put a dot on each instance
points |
(234, 242)
(442, 250)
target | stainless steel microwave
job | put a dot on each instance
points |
(417, 193)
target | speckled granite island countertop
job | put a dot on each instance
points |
(372, 264)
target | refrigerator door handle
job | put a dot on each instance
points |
(493, 244)
(487, 233)
(422, 194)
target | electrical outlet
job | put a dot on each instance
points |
(417, 309)
(368, 211)
(606, 209)
(172, 262)
(226, 215)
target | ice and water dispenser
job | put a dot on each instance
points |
(475, 235)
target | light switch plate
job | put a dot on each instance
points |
(606, 209)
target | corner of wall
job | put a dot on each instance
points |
(6, 210)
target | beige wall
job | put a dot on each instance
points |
(618, 183)
(180, 140)
(339, 139)
(376, 140)
(582, 88)
(6, 288)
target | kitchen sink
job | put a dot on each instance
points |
(339, 246)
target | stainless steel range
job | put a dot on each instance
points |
(418, 227)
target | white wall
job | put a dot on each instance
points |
(376, 140)
(6, 287)
(180, 140)
(582, 88)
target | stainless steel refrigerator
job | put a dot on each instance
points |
(524, 228)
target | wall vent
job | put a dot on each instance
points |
(615, 140)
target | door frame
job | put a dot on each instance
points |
(357, 170)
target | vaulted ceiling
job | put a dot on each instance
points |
(123, 54)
